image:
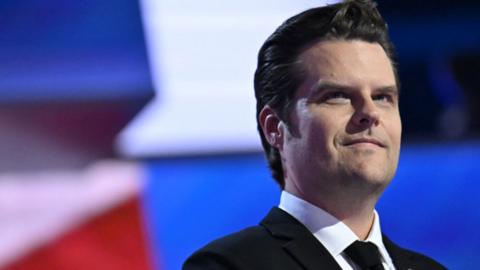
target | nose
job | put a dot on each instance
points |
(366, 114)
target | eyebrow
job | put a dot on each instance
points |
(324, 85)
(389, 89)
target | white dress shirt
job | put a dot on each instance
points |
(334, 235)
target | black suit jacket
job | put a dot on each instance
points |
(281, 242)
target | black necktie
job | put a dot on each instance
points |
(365, 255)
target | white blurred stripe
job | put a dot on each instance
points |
(202, 58)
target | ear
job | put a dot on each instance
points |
(272, 127)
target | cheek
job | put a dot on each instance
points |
(322, 138)
(394, 131)
(319, 129)
(328, 129)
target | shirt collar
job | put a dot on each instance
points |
(375, 236)
(331, 232)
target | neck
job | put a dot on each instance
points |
(354, 210)
(360, 222)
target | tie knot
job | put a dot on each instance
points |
(365, 255)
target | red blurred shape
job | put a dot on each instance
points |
(115, 240)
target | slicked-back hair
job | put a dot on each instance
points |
(279, 75)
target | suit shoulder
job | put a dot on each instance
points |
(234, 251)
(416, 259)
(241, 241)
(425, 261)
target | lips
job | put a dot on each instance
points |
(364, 140)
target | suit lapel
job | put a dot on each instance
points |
(298, 241)
(311, 254)
(401, 259)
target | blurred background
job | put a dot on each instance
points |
(128, 130)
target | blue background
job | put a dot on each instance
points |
(95, 50)
(431, 206)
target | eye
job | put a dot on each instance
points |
(383, 98)
(336, 98)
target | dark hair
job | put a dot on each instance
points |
(278, 75)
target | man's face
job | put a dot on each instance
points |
(345, 129)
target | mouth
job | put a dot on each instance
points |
(364, 141)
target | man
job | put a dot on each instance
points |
(327, 111)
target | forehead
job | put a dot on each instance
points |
(353, 63)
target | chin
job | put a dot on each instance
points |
(374, 177)
(377, 180)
